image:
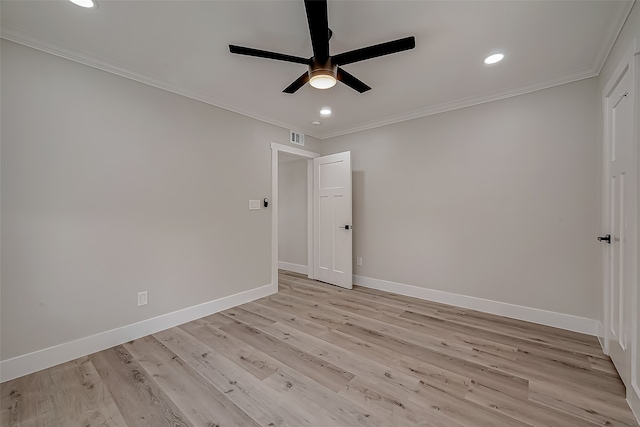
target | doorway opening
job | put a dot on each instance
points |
(285, 154)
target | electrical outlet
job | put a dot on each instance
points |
(359, 260)
(143, 298)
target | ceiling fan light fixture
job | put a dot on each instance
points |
(322, 81)
(322, 76)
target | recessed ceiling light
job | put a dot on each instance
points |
(85, 3)
(325, 111)
(316, 123)
(492, 59)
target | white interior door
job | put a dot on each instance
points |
(332, 219)
(622, 194)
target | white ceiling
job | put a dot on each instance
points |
(182, 46)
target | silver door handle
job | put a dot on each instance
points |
(346, 227)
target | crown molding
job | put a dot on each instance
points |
(22, 38)
(612, 36)
(614, 30)
(601, 57)
(466, 102)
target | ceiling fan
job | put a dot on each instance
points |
(324, 69)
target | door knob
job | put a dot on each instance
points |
(606, 238)
(346, 227)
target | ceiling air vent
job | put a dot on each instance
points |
(297, 138)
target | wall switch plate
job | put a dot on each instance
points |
(254, 204)
(143, 298)
(359, 260)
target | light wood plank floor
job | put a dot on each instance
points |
(317, 355)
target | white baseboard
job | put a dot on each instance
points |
(529, 314)
(633, 399)
(600, 333)
(42, 359)
(600, 336)
(296, 268)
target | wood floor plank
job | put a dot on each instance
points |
(523, 346)
(216, 320)
(585, 409)
(342, 358)
(320, 355)
(560, 397)
(410, 345)
(373, 361)
(452, 347)
(66, 395)
(241, 315)
(424, 333)
(373, 398)
(140, 400)
(401, 410)
(251, 395)
(323, 372)
(516, 328)
(528, 412)
(462, 411)
(486, 375)
(248, 358)
(442, 308)
(20, 400)
(603, 365)
(202, 403)
(327, 321)
(391, 315)
(299, 388)
(299, 323)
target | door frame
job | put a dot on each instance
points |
(303, 154)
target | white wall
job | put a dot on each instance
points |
(292, 212)
(496, 201)
(111, 187)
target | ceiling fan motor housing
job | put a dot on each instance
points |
(326, 69)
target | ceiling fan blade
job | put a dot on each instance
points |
(300, 81)
(240, 50)
(351, 81)
(374, 51)
(318, 28)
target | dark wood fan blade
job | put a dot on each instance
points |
(240, 50)
(374, 51)
(351, 81)
(300, 81)
(318, 28)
